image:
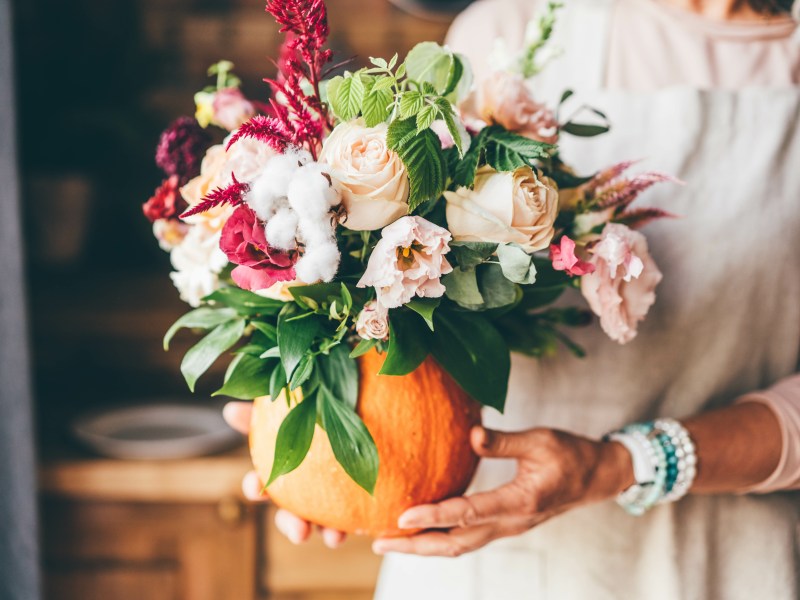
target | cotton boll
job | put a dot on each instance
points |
(273, 182)
(311, 191)
(281, 229)
(319, 263)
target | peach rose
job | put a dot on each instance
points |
(508, 207)
(371, 179)
(621, 290)
(246, 158)
(504, 99)
(373, 322)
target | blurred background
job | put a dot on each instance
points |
(96, 82)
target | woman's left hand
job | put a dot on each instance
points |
(556, 471)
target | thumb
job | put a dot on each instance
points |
(498, 444)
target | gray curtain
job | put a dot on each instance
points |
(19, 577)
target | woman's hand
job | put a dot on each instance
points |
(237, 415)
(556, 471)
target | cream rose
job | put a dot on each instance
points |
(508, 207)
(371, 179)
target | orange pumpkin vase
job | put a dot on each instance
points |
(420, 423)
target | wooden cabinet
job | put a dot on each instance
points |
(180, 530)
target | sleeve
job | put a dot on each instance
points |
(475, 30)
(784, 399)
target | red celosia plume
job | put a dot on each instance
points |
(273, 131)
(233, 195)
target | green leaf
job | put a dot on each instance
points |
(584, 130)
(363, 347)
(277, 381)
(471, 254)
(465, 171)
(379, 62)
(244, 302)
(454, 126)
(421, 153)
(319, 292)
(465, 79)
(497, 291)
(351, 442)
(339, 373)
(295, 337)
(409, 340)
(350, 97)
(294, 438)
(303, 371)
(426, 117)
(517, 265)
(247, 378)
(425, 308)
(203, 354)
(331, 88)
(269, 330)
(428, 62)
(471, 349)
(377, 104)
(506, 151)
(200, 318)
(462, 288)
(411, 103)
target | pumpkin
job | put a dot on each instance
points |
(420, 423)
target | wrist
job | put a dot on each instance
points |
(613, 472)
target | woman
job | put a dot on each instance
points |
(706, 90)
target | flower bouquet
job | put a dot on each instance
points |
(369, 247)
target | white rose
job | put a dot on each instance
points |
(197, 261)
(507, 207)
(371, 178)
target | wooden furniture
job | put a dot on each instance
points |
(180, 530)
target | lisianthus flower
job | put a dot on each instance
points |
(166, 203)
(373, 322)
(621, 289)
(197, 261)
(409, 260)
(563, 258)
(181, 148)
(244, 242)
(169, 232)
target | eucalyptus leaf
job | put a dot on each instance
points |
(517, 265)
(203, 354)
(200, 318)
(462, 288)
(471, 254)
(294, 438)
(351, 441)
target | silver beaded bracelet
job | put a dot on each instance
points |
(664, 463)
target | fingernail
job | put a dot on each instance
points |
(407, 521)
(379, 548)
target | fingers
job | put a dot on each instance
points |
(293, 527)
(237, 415)
(438, 543)
(253, 489)
(469, 511)
(333, 538)
(497, 444)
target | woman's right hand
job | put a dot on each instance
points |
(237, 415)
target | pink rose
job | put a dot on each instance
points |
(563, 258)
(244, 242)
(408, 261)
(373, 322)
(504, 99)
(622, 288)
(231, 108)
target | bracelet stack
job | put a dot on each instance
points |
(664, 463)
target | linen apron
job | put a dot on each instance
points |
(726, 322)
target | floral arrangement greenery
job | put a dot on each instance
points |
(401, 207)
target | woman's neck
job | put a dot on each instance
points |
(724, 10)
